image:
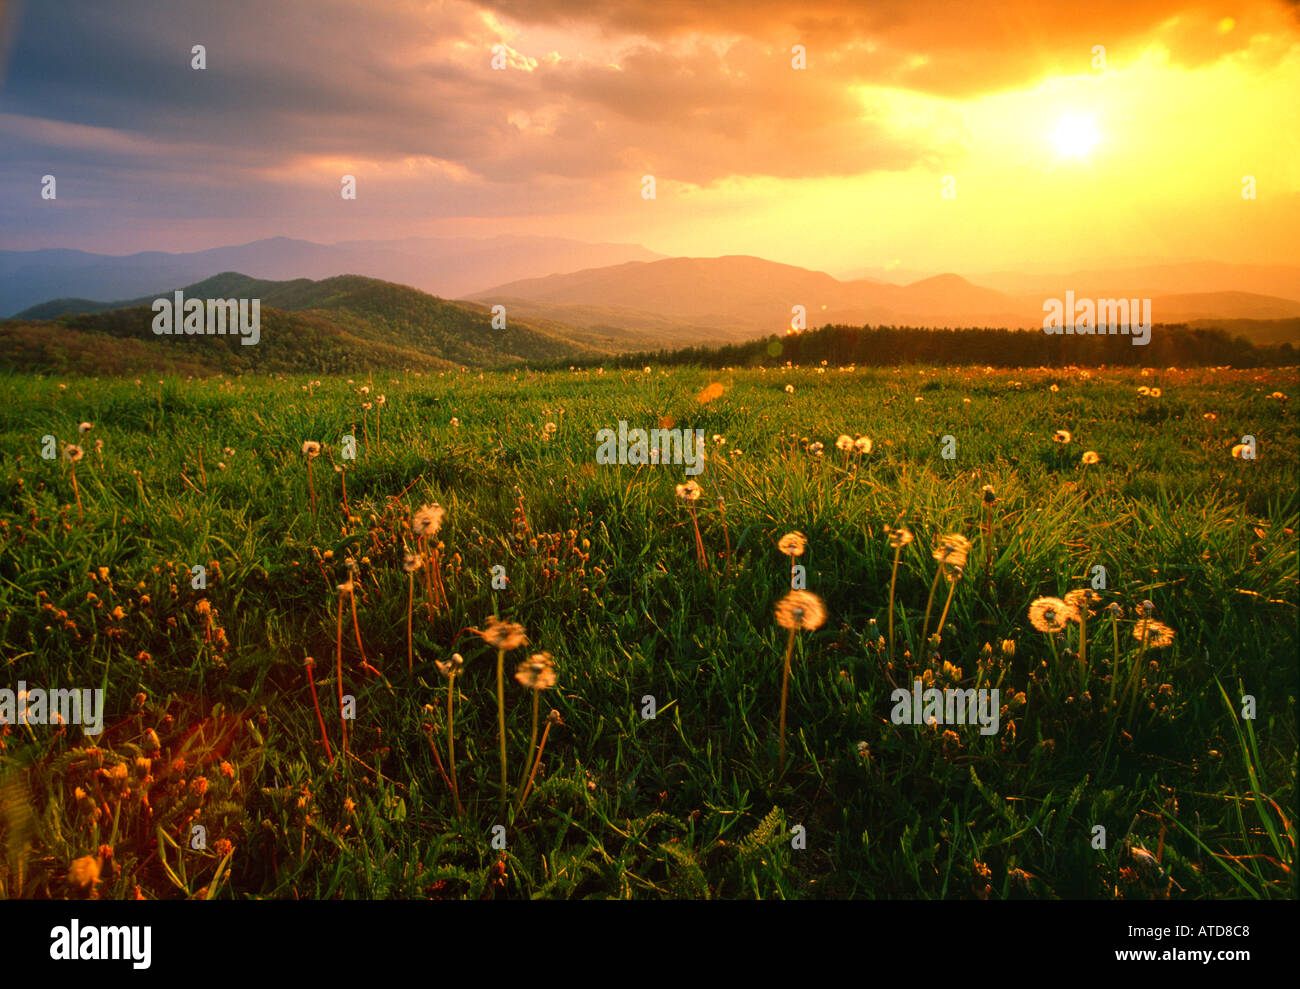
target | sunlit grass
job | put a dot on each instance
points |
(638, 598)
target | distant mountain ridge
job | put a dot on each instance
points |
(643, 304)
(739, 296)
(1192, 277)
(446, 266)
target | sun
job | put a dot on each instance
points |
(1075, 136)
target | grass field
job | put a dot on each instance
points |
(211, 721)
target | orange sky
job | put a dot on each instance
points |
(1055, 159)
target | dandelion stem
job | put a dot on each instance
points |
(77, 492)
(952, 587)
(410, 607)
(785, 689)
(536, 763)
(311, 487)
(925, 627)
(356, 625)
(428, 733)
(339, 672)
(437, 578)
(893, 582)
(1136, 674)
(428, 576)
(311, 682)
(699, 542)
(532, 741)
(988, 539)
(451, 744)
(501, 718)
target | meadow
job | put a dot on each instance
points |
(218, 721)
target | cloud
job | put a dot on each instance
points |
(403, 94)
(289, 92)
(944, 48)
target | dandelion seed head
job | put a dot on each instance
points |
(898, 538)
(504, 635)
(690, 491)
(952, 549)
(1156, 635)
(451, 666)
(1049, 615)
(800, 609)
(1082, 599)
(537, 672)
(428, 520)
(793, 544)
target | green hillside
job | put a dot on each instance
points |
(336, 325)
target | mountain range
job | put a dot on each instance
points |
(738, 297)
(642, 301)
(450, 267)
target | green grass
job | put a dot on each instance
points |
(603, 574)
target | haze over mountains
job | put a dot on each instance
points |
(629, 299)
(450, 267)
(1139, 279)
(737, 297)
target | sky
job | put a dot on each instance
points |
(918, 135)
